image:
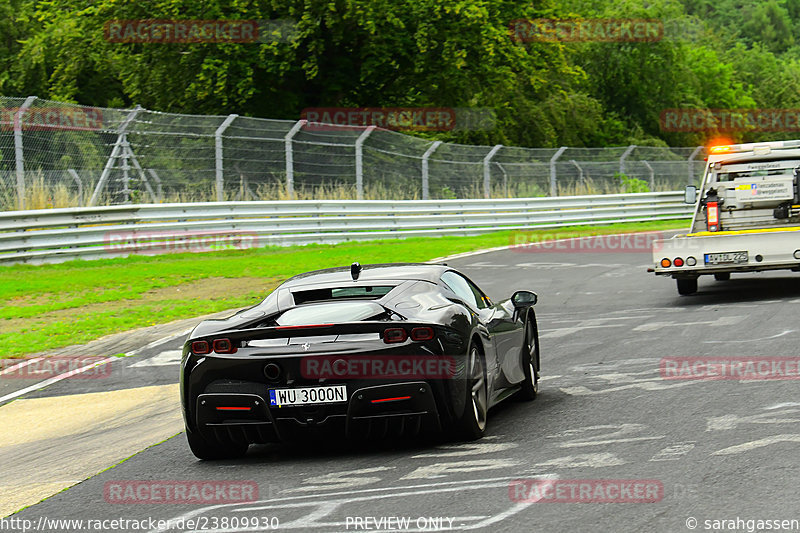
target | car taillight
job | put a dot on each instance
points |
(712, 216)
(224, 346)
(393, 335)
(422, 334)
(201, 347)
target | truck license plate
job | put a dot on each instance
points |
(726, 258)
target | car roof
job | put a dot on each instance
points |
(377, 272)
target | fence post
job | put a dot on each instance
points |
(487, 172)
(425, 180)
(290, 158)
(652, 175)
(553, 185)
(78, 181)
(580, 170)
(125, 169)
(18, 153)
(219, 181)
(360, 161)
(505, 179)
(115, 153)
(624, 156)
(691, 164)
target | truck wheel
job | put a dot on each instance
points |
(687, 286)
(722, 276)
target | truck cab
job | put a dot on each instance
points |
(746, 217)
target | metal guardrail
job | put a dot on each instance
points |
(56, 235)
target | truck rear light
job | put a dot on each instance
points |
(712, 216)
(797, 254)
(224, 346)
(393, 335)
(666, 263)
(201, 347)
(691, 261)
(422, 334)
(678, 262)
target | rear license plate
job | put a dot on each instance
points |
(308, 396)
(726, 258)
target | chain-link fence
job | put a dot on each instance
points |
(54, 154)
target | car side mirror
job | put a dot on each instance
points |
(690, 194)
(522, 299)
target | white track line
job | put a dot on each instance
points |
(158, 342)
(20, 365)
(524, 245)
(54, 379)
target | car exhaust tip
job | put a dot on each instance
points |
(272, 371)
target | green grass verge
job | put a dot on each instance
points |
(51, 306)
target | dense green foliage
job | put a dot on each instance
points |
(454, 53)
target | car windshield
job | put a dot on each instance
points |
(324, 313)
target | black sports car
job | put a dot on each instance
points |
(374, 352)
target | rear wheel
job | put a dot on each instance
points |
(472, 424)
(687, 286)
(209, 451)
(722, 276)
(530, 364)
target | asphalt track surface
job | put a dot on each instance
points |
(714, 449)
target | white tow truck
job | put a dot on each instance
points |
(746, 218)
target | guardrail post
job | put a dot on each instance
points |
(487, 172)
(425, 179)
(115, 153)
(290, 157)
(624, 156)
(18, 153)
(553, 184)
(360, 161)
(691, 164)
(219, 175)
(652, 175)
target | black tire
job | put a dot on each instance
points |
(722, 276)
(687, 286)
(530, 363)
(210, 451)
(472, 424)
